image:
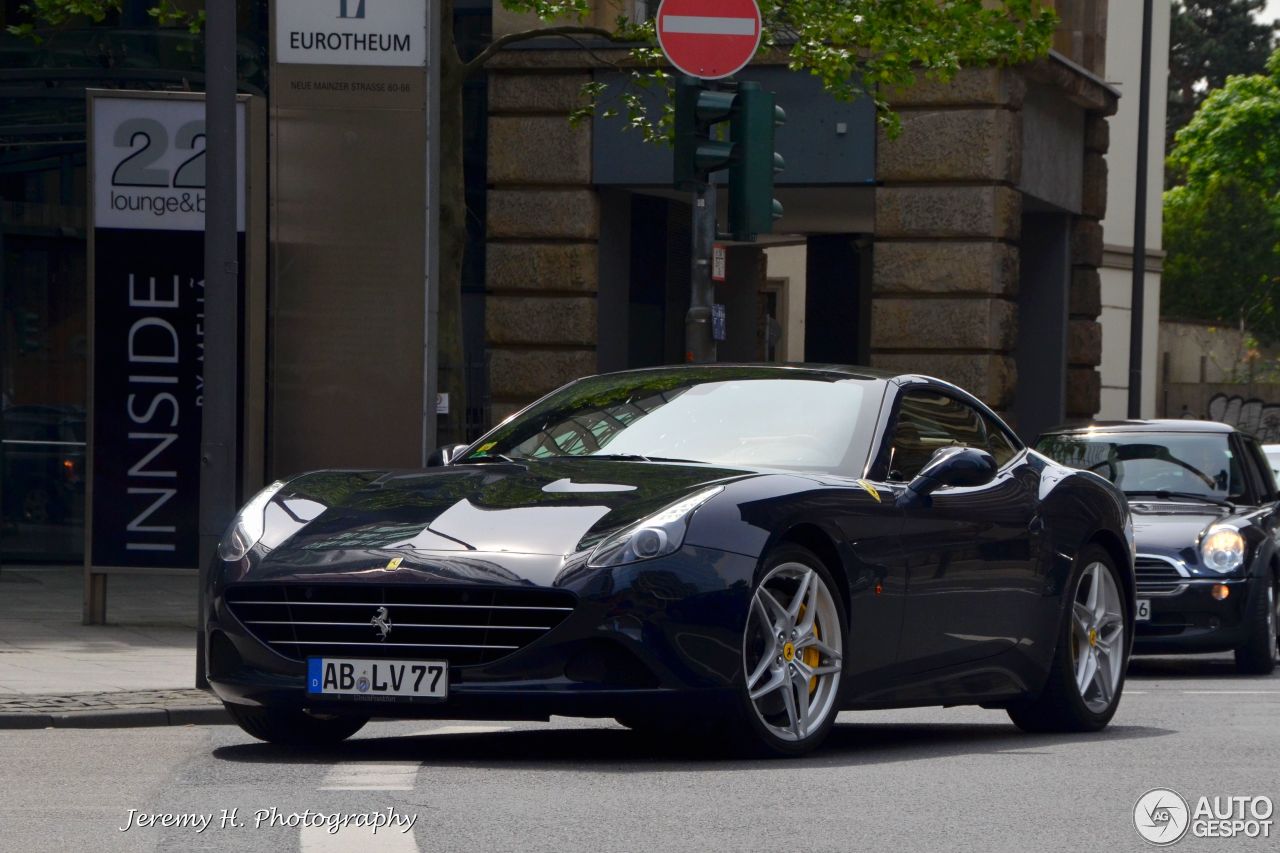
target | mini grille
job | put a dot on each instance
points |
(465, 626)
(1155, 576)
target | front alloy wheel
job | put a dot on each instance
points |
(793, 653)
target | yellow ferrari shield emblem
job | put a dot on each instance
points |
(870, 489)
(394, 563)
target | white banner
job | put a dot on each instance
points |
(352, 32)
(149, 164)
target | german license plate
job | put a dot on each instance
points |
(1143, 612)
(413, 679)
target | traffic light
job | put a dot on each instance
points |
(747, 153)
(752, 207)
(699, 114)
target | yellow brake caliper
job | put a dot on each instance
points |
(811, 655)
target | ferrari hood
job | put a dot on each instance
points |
(553, 507)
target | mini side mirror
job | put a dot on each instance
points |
(953, 466)
(442, 456)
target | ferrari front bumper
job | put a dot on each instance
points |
(643, 638)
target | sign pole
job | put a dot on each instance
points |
(700, 346)
(219, 460)
(706, 40)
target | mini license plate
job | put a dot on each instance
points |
(1143, 611)
(411, 679)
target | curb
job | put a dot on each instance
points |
(118, 718)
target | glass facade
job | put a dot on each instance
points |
(43, 249)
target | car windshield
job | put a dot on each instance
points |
(1273, 457)
(1186, 463)
(758, 417)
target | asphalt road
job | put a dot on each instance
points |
(927, 779)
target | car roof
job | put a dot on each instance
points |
(1148, 425)
(848, 371)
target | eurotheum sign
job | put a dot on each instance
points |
(390, 33)
(147, 340)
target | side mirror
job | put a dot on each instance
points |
(442, 456)
(952, 466)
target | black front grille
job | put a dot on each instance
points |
(1155, 576)
(465, 626)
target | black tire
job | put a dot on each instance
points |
(293, 728)
(1258, 654)
(742, 732)
(1060, 707)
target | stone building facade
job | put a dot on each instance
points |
(980, 231)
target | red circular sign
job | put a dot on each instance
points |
(709, 38)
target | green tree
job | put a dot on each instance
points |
(856, 47)
(1222, 224)
(1223, 264)
(1235, 133)
(1209, 40)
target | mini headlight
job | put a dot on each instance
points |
(1222, 549)
(658, 535)
(249, 525)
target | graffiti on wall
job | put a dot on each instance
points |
(1254, 416)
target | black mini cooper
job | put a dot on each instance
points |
(1204, 505)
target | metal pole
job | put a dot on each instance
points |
(430, 358)
(219, 462)
(698, 342)
(1137, 302)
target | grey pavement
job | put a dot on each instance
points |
(927, 779)
(137, 670)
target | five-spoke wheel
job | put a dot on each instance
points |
(1082, 690)
(1098, 636)
(793, 652)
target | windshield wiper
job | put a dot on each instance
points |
(636, 457)
(1165, 494)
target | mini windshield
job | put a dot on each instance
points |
(755, 417)
(1189, 463)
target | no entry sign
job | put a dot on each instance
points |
(709, 39)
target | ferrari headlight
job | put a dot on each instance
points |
(248, 526)
(657, 536)
(1222, 549)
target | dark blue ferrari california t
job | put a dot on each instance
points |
(744, 550)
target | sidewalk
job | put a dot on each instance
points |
(136, 671)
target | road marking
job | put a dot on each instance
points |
(317, 839)
(709, 26)
(1129, 692)
(371, 776)
(464, 730)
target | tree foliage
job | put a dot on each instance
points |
(1222, 225)
(1210, 40)
(1224, 257)
(1236, 133)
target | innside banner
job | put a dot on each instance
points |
(147, 339)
